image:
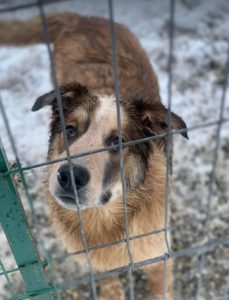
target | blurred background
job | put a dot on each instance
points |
(199, 61)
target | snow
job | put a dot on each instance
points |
(24, 74)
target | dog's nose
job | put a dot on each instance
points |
(81, 177)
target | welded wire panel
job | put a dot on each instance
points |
(182, 252)
(9, 283)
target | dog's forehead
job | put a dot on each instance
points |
(99, 118)
(106, 107)
(101, 124)
(105, 110)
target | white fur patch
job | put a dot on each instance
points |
(106, 108)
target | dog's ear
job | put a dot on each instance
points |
(154, 117)
(69, 90)
(46, 99)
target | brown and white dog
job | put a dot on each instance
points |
(83, 61)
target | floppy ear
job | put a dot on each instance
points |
(154, 117)
(70, 89)
(177, 123)
(46, 99)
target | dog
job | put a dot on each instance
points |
(83, 63)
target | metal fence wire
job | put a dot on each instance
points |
(30, 265)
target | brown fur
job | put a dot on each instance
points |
(109, 222)
(83, 53)
(90, 50)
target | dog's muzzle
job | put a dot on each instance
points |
(81, 178)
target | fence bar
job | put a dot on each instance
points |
(168, 139)
(66, 146)
(18, 234)
(169, 120)
(121, 158)
(226, 292)
(133, 142)
(9, 283)
(218, 136)
(213, 171)
(13, 145)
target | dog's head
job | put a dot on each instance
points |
(91, 124)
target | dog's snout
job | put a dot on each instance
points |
(81, 177)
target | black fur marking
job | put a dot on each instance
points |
(76, 89)
(43, 100)
(109, 174)
(105, 197)
(139, 105)
(73, 95)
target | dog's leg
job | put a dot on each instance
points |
(111, 289)
(155, 274)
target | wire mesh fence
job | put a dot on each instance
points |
(47, 286)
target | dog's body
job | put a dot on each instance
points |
(85, 42)
(83, 54)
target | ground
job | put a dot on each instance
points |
(200, 53)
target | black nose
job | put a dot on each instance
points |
(81, 177)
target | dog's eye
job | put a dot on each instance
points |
(114, 141)
(70, 131)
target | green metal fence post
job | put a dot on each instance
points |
(16, 228)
